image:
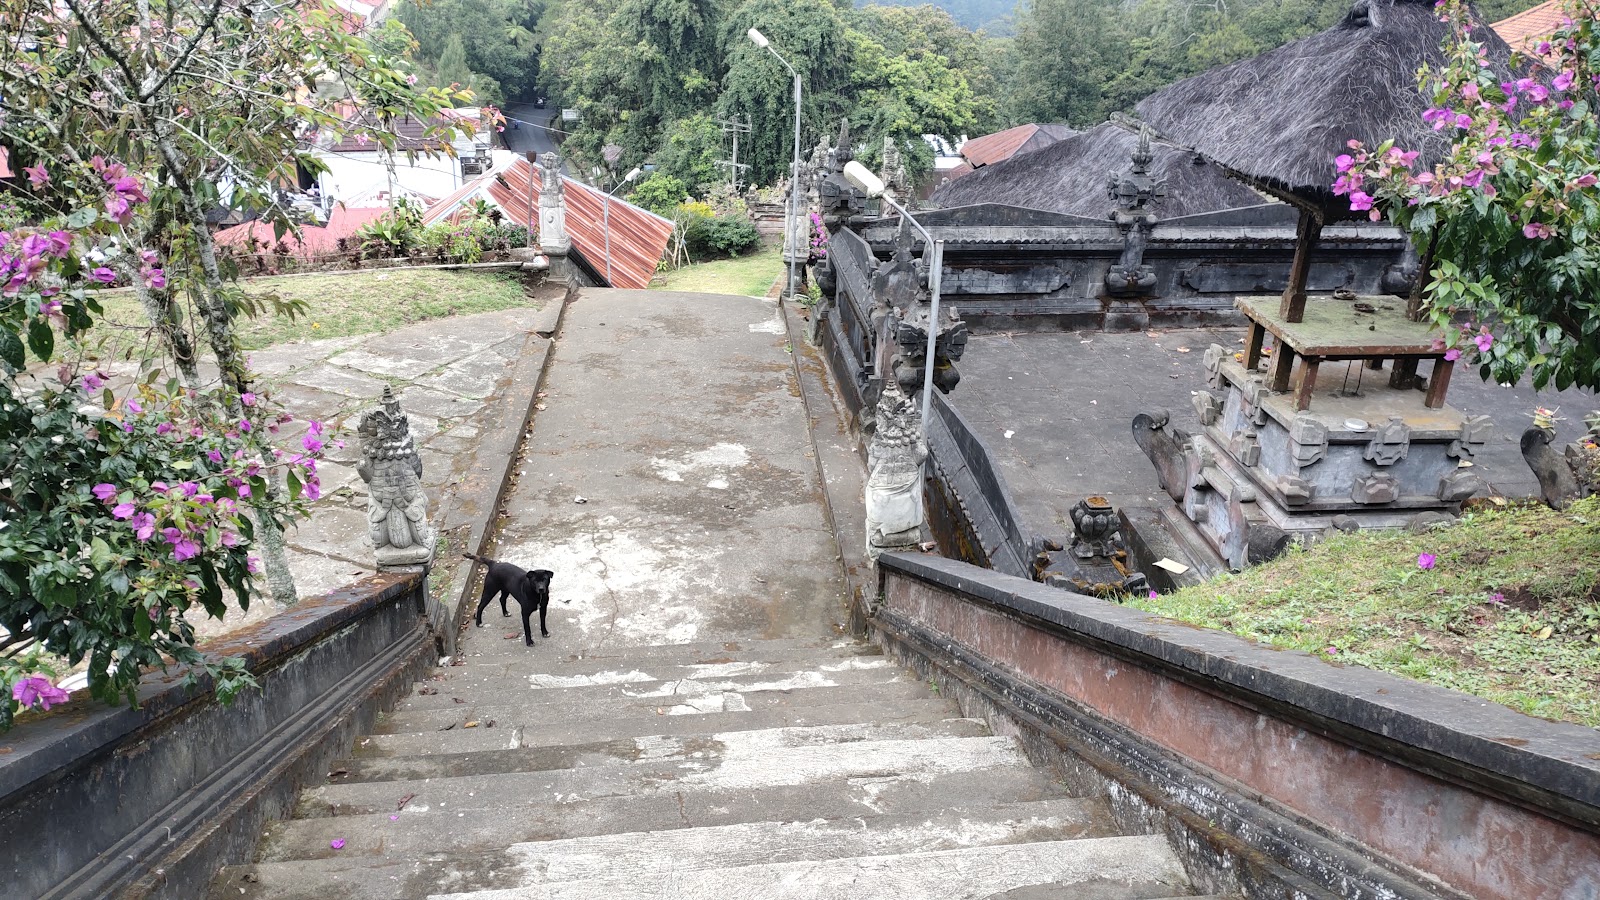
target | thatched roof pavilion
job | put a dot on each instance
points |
(1279, 119)
(1070, 177)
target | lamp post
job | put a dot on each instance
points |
(634, 173)
(933, 255)
(790, 232)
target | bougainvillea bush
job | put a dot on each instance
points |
(120, 514)
(1508, 221)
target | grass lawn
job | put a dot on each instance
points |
(338, 304)
(751, 275)
(1510, 610)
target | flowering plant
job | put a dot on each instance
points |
(118, 514)
(1504, 220)
(819, 238)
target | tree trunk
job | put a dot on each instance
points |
(225, 344)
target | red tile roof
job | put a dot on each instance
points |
(314, 240)
(638, 237)
(992, 148)
(1524, 30)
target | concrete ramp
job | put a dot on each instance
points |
(694, 726)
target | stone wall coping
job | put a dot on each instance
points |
(1394, 716)
(41, 743)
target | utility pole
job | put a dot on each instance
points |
(735, 128)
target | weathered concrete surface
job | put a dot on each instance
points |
(668, 481)
(1055, 410)
(694, 726)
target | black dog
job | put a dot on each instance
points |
(532, 590)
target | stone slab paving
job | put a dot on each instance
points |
(1056, 411)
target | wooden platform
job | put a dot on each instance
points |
(1368, 328)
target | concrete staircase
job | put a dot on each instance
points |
(772, 770)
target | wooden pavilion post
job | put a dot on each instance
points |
(1293, 307)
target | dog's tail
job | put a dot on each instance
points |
(483, 559)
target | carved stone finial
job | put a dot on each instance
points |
(894, 474)
(893, 172)
(553, 238)
(1134, 193)
(397, 508)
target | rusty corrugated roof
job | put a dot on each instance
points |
(638, 237)
(1002, 145)
(1524, 30)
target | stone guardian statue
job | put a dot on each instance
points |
(397, 509)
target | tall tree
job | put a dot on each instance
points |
(498, 37)
(811, 36)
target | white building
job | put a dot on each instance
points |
(359, 172)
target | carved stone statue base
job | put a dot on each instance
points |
(894, 475)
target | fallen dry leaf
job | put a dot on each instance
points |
(1543, 633)
(404, 800)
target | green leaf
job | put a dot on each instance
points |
(11, 349)
(99, 553)
(41, 339)
(83, 218)
(294, 486)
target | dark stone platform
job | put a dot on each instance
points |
(1069, 399)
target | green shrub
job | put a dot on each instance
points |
(716, 236)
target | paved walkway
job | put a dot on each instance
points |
(669, 480)
(694, 727)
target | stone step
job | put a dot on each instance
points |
(784, 674)
(539, 709)
(548, 734)
(484, 651)
(1135, 865)
(737, 761)
(658, 854)
(421, 828)
(686, 750)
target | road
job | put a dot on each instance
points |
(533, 131)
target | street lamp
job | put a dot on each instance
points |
(933, 256)
(790, 232)
(625, 180)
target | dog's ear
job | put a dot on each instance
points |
(541, 576)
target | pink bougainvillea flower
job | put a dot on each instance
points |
(103, 275)
(163, 428)
(1484, 342)
(311, 443)
(123, 511)
(1587, 179)
(135, 406)
(1331, 651)
(104, 492)
(1360, 200)
(144, 526)
(148, 256)
(1452, 354)
(1536, 230)
(253, 563)
(185, 549)
(247, 398)
(154, 279)
(337, 843)
(1426, 560)
(229, 539)
(92, 382)
(1562, 81)
(37, 691)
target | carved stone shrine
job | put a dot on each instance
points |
(1284, 450)
(397, 508)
